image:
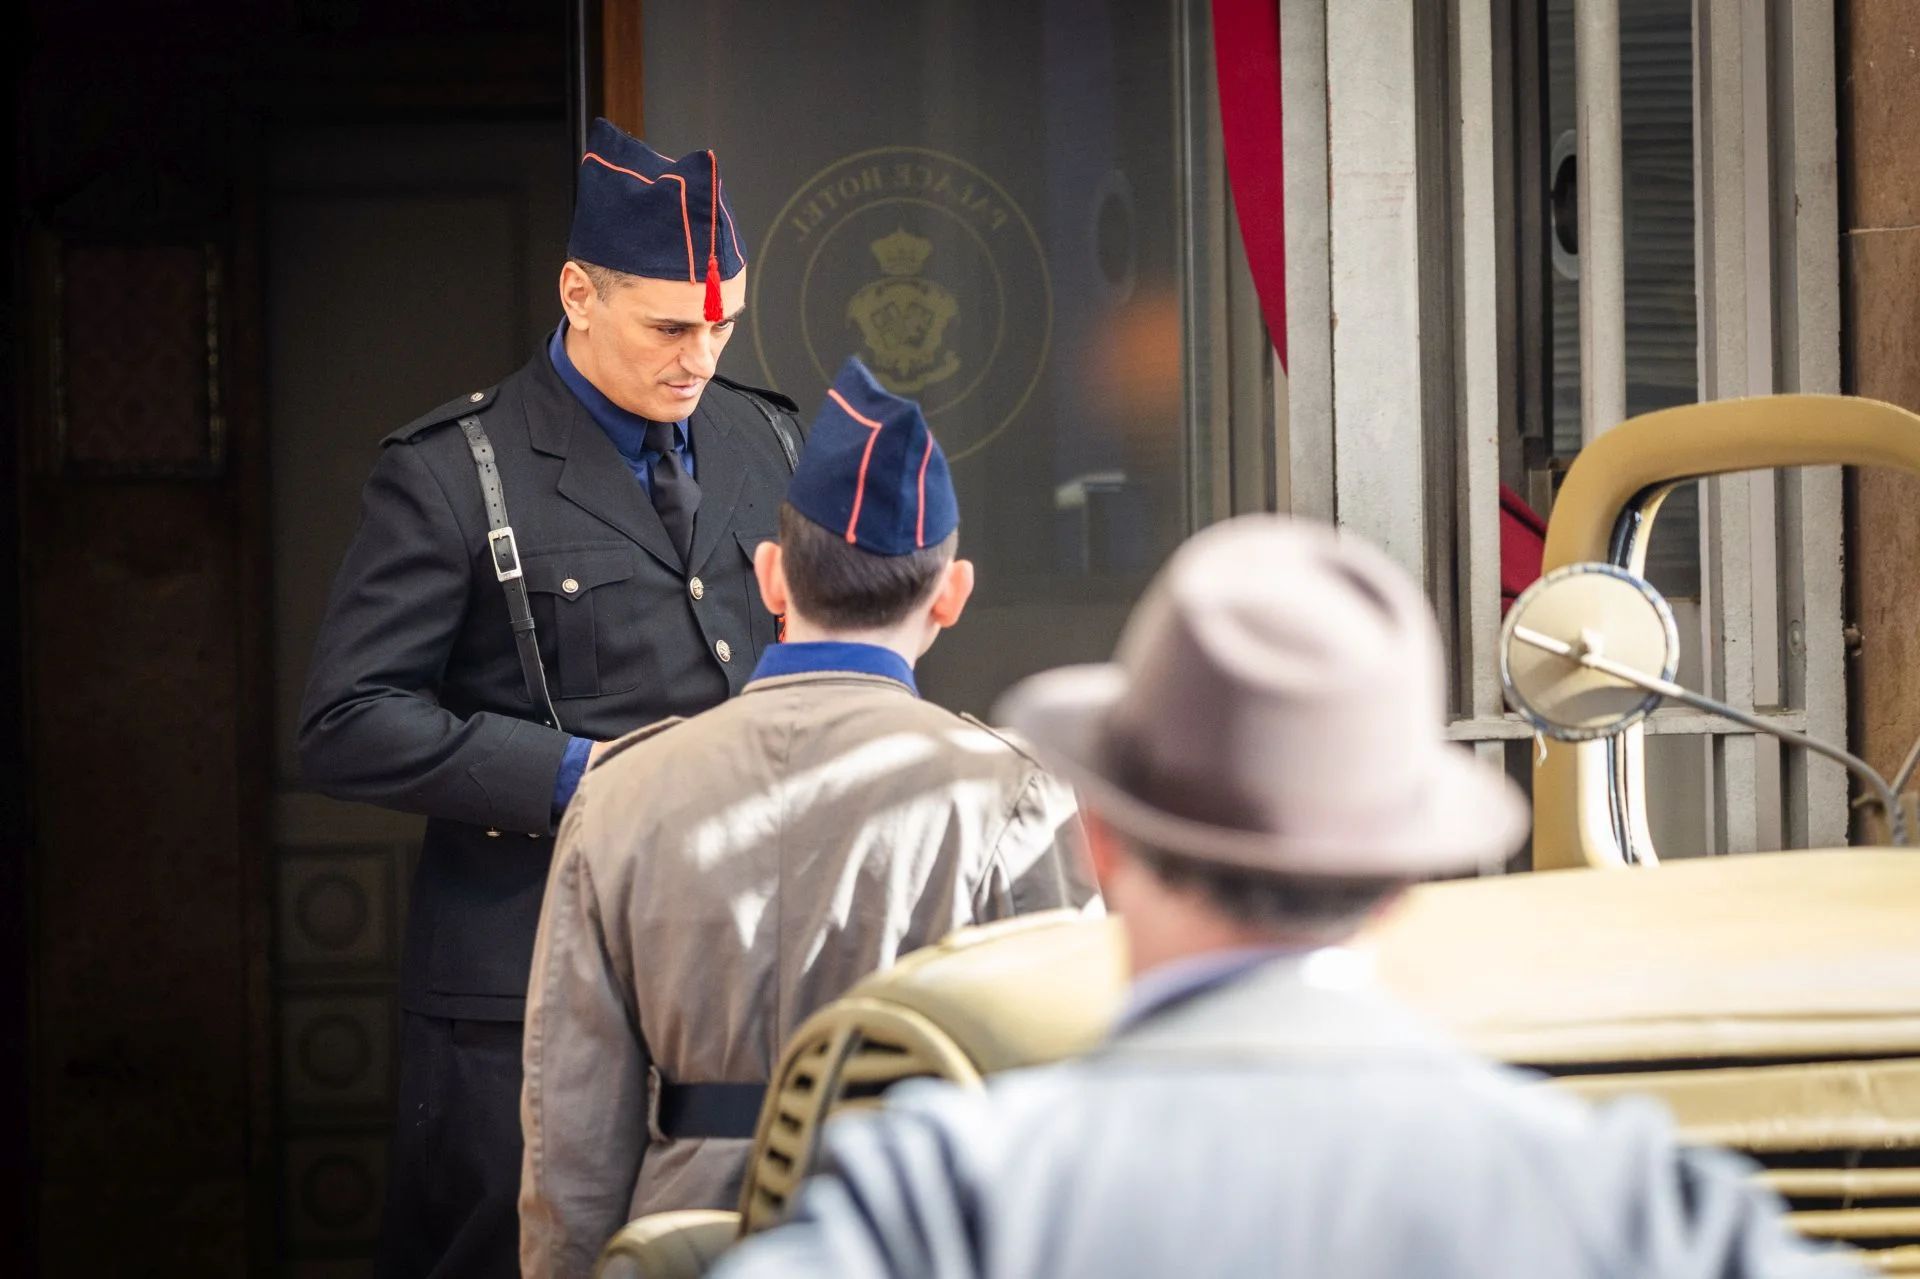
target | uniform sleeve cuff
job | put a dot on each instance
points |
(573, 766)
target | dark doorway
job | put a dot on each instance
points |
(405, 265)
(248, 242)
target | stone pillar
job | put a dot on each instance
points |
(1880, 333)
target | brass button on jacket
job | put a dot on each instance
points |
(570, 585)
(725, 651)
(697, 588)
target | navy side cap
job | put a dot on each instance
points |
(636, 211)
(872, 472)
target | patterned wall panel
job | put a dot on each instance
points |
(336, 1054)
(332, 1189)
(335, 912)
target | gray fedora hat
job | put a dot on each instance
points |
(1275, 703)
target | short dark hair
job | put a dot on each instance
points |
(604, 279)
(838, 585)
(1320, 904)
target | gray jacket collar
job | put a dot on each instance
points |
(1280, 1010)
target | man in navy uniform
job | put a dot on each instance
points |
(636, 484)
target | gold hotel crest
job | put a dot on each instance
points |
(903, 317)
(960, 316)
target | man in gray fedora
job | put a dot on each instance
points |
(1262, 769)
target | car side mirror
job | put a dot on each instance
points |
(1590, 650)
(1579, 611)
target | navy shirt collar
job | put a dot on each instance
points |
(628, 431)
(816, 656)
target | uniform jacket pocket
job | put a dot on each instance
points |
(569, 590)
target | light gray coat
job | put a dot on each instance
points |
(718, 879)
(1271, 1127)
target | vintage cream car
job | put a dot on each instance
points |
(1771, 1001)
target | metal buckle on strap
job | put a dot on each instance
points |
(656, 1089)
(506, 553)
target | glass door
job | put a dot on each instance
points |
(1013, 212)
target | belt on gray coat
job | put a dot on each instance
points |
(710, 1110)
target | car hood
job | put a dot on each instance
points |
(1769, 956)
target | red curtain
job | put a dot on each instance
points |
(1246, 49)
(1523, 542)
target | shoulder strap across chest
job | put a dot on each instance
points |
(779, 412)
(504, 554)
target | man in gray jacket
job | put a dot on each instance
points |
(1262, 768)
(717, 879)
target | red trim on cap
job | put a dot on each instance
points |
(873, 428)
(713, 214)
(852, 412)
(601, 160)
(920, 530)
(686, 222)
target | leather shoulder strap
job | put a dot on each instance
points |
(772, 397)
(778, 410)
(504, 554)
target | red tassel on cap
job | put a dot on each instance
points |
(714, 313)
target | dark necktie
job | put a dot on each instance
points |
(675, 496)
